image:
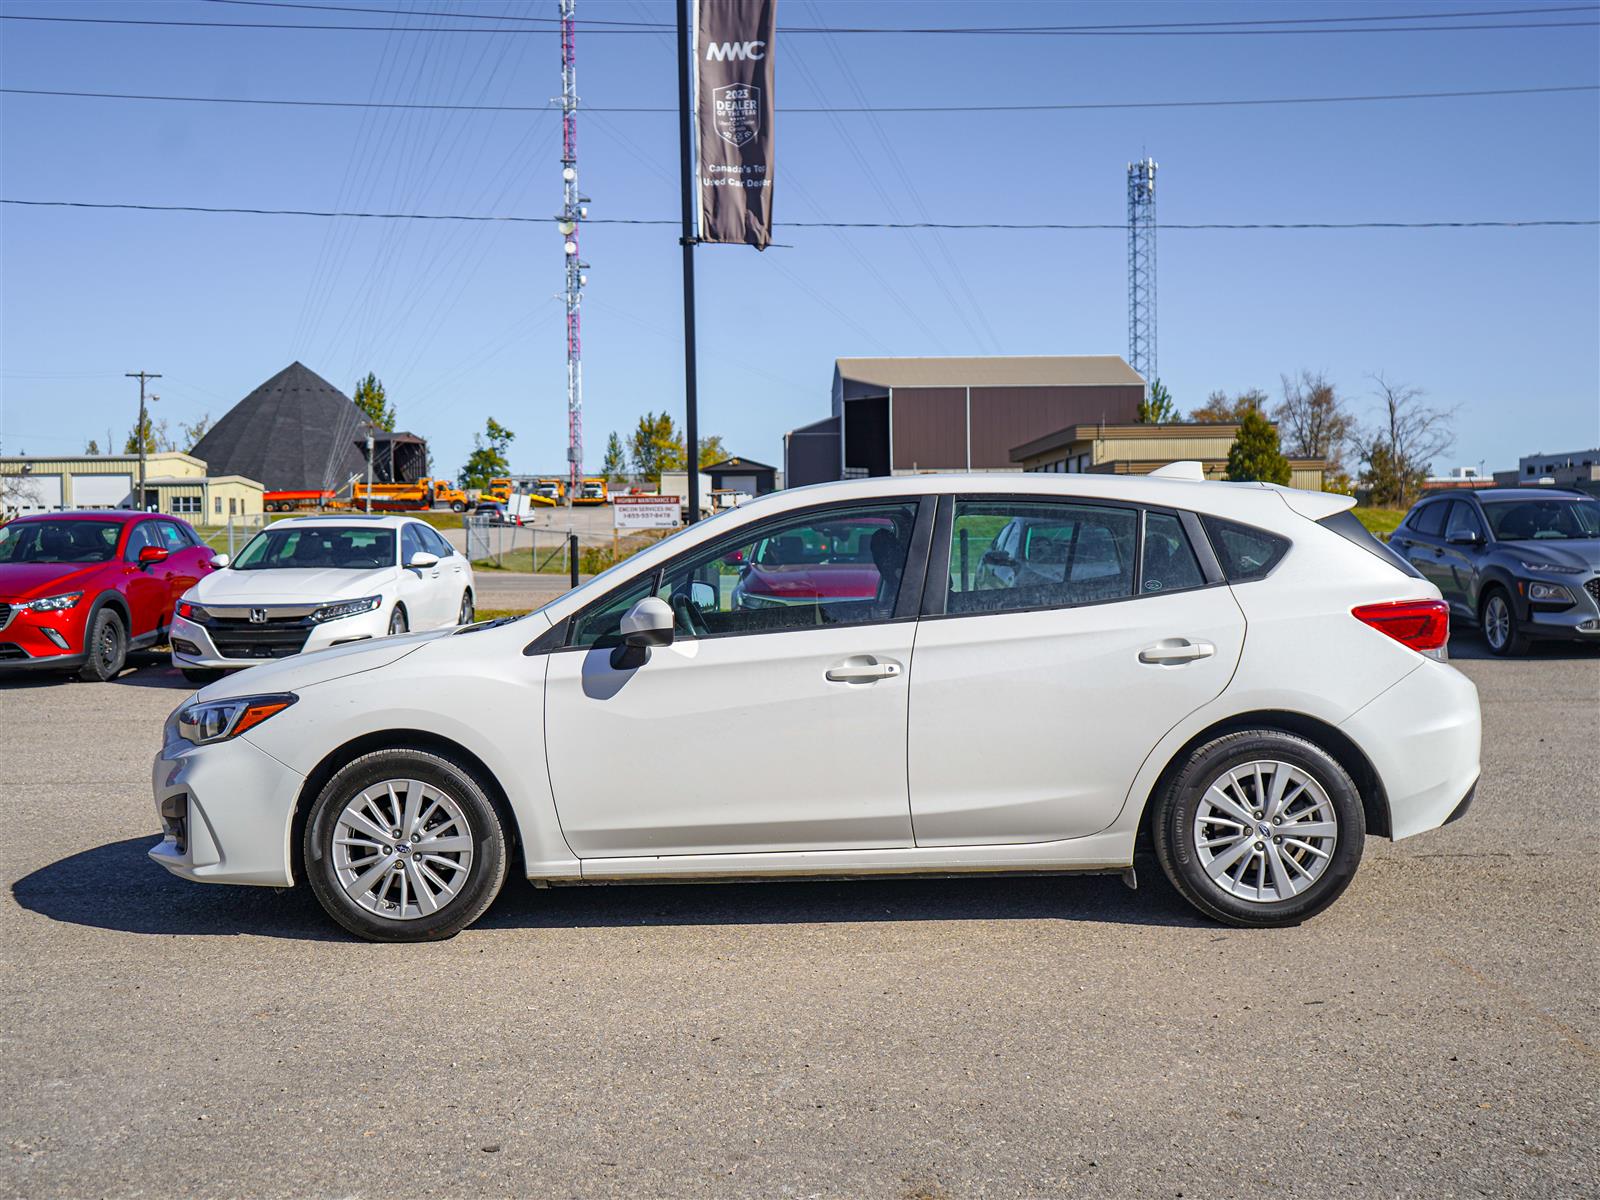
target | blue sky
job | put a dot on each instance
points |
(462, 321)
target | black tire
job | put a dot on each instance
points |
(200, 676)
(486, 873)
(467, 611)
(1174, 833)
(1512, 642)
(105, 646)
(457, 506)
(398, 622)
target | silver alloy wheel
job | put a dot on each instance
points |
(397, 621)
(1497, 621)
(402, 849)
(464, 617)
(1265, 831)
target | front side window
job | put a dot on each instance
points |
(1169, 561)
(1012, 555)
(411, 543)
(837, 566)
(436, 542)
(1463, 519)
(342, 548)
(139, 537)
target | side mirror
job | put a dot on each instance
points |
(736, 559)
(421, 560)
(703, 596)
(648, 623)
(997, 558)
(1464, 537)
(218, 561)
(149, 556)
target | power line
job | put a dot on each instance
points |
(903, 225)
(807, 109)
(1020, 31)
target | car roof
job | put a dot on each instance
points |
(1528, 493)
(385, 520)
(126, 515)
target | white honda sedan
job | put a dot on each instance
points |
(918, 675)
(306, 583)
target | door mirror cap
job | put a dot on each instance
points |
(218, 561)
(422, 560)
(1465, 537)
(149, 556)
(648, 623)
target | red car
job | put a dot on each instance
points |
(78, 590)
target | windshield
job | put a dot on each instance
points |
(341, 548)
(1555, 519)
(820, 545)
(59, 541)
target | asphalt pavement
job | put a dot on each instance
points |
(1434, 1034)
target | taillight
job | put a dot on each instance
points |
(1423, 625)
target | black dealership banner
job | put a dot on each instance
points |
(733, 53)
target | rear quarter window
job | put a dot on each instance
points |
(1245, 552)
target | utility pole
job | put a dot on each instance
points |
(572, 212)
(691, 416)
(139, 434)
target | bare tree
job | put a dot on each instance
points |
(1312, 420)
(1219, 407)
(1403, 443)
(16, 489)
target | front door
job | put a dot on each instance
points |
(1059, 663)
(148, 588)
(776, 719)
(1458, 557)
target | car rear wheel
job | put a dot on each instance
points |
(1497, 617)
(1260, 828)
(105, 645)
(404, 846)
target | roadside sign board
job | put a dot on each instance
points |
(646, 512)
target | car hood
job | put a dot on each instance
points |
(311, 586)
(25, 581)
(319, 666)
(1561, 552)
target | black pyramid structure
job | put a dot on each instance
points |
(296, 432)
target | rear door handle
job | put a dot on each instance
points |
(1176, 650)
(862, 672)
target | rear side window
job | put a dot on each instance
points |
(1429, 520)
(1244, 551)
(1009, 556)
(1350, 528)
(1169, 561)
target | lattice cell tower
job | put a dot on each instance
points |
(572, 213)
(1142, 269)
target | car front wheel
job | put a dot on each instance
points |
(404, 846)
(1260, 828)
(397, 621)
(105, 646)
(1501, 630)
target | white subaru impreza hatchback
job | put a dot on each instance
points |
(305, 583)
(929, 674)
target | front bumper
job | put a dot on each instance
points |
(193, 645)
(1422, 736)
(43, 641)
(227, 812)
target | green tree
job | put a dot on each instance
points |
(1218, 407)
(656, 446)
(156, 437)
(615, 466)
(712, 450)
(488, 459)
(1255, 453)
(372, 400)
(92, 448)
(1157, 408)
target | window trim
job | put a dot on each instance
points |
(906, 605)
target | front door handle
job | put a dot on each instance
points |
(862, 672)
(1176, 650)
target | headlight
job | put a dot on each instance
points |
(218, 720)
(1552, 592)
(50, 603)
(1552, 568)
(346, 608)
(192, 612)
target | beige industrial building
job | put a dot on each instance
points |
(1135, 449)
(175, 483)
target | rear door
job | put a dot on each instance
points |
(185, 564)
(1042, 684)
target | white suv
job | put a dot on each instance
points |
(1237, 675)
(306, 583)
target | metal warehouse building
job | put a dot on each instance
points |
(898, 415)
(175, 483)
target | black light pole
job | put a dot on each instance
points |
(691, 420)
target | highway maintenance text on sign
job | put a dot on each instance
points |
(646, 512)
